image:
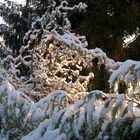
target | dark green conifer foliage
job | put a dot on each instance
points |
(17, 25)
(107, 21)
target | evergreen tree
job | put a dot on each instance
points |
(106, 22)
(53, 59)
(18, 23)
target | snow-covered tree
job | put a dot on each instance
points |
(45, 94)
(17, 24)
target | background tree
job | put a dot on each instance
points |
(18, 23)
(106, 22)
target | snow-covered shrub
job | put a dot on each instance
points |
(54, 58)
(52, 53)
(19, 114)
(56, 116)
(13, 109)
(91, 118)
(129, 74)
(44, 95)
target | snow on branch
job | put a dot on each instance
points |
(128, 73)
(44, 91)
(56, 117)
